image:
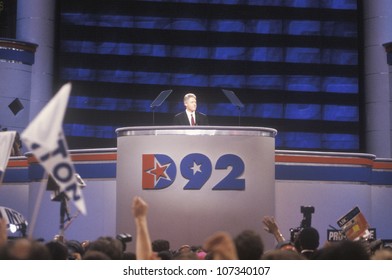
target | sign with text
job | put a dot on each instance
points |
(202, 182)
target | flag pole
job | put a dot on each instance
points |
(37, 206)
(2, 177)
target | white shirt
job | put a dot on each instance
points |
(189, 114)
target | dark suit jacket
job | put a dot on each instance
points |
(182, 119)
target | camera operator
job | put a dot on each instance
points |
(306, 238)
(308, 241)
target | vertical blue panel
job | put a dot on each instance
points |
(266, 54)
(189, 52)
(303, 55)
(230, 81)
(267, 26)
(340, 85)
(302, 140)
(339, 29)
(303, 83)
(302, 27)
(228, 26)
(265, 82)
(340, 141)
(268, 111)
(303, 112)
(232, 53)
(340, 113)
(336, 56)
(301, 3)
(339, 4)
(189, 80)
(186, 24)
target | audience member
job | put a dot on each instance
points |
(286, 245)
(278, 254)
(343, 250)
(24, 249)
(249, 245)
(308, 241)
(129, 256)
(382, 254)
(110, 246)
(165, 255)
(185, 255)
(221, 246)
(95, 255)
(159, 245)
(75, 249)
(58, 250)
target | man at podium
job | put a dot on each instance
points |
(190, 116)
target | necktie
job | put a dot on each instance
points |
(192, 120)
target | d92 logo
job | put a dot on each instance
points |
(159, 171)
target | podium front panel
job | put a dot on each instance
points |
(196, 181)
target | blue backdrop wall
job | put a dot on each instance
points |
(294, 64)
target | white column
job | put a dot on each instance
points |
(35, 23)
(377, 31)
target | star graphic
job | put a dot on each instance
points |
(196, 168)
(160, 171)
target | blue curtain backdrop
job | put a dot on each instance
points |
(294, 64)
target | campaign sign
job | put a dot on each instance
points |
(338, 235)
(354, 224)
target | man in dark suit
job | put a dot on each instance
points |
(190, 116)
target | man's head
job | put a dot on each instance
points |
(190, 102)
(308, 239)
(249, 245)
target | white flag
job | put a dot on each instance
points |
(6, 142)
(44, 137)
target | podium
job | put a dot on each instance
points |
(196, 180)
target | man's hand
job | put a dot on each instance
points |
(270, 224)
(272, 227)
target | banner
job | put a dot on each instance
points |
(44, 137)
(6, 142)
